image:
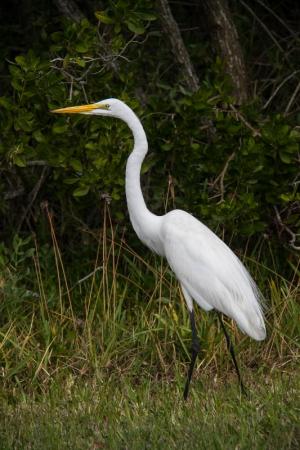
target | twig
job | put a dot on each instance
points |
(221, 176)
(279, 87)
(86, 277)
(294, 236)
(292, 99)
(84, 91)
(255, 132)
(13, 194)
(270, 10)
(38, 162)
(32, 196)
(262, 25)
(71, 89)
(108, 58)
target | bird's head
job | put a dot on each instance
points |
(111, 107)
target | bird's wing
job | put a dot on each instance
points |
(210, 272)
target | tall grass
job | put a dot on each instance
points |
(121, 313)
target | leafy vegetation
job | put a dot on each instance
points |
(236, 168)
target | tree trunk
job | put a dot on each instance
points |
(172, 32)
(69, 9)
(226, 41)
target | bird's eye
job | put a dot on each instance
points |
(107, 106)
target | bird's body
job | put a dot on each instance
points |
(208, 271)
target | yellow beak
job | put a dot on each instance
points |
(79, 109)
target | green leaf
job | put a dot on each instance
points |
(284, 129)
(91, 146)
(5, 103)
(17, 85)
(135, 26)
(57, 37)
(104, 18)
(285, 158)
(71, 180)
(292, 148)
(149, 162)
(81, 62)
(19, 161)
(82, 47)
(146, 16)
(81, 191)
(59, 129)
(287, 197)
(76, 165)
(39, 137)
(295, 134)
(24, 122)
(21, 61)
(167, 146)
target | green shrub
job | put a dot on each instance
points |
(234, 168)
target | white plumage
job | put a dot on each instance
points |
(211, 273)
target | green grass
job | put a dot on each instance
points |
(142, 414)
(94, 353)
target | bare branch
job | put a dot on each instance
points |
(283, 23)
(38, 162)
(263, 26)
(292, 99)
(255, 132)
(221, 176)
(279, 87)
(32, 196)
(294, 236)
(14, 193)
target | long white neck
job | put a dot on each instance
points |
(145, 224)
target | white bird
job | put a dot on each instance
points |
(208, 271)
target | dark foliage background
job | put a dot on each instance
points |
(236, 167)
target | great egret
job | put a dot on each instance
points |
(208, 271)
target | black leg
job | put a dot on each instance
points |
(231, 350)
(194, 353)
